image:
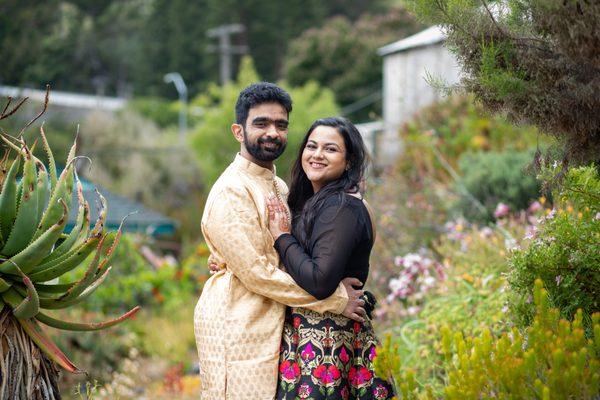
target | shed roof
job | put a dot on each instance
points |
(140, 219)
(429, 36)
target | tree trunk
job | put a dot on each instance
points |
(25, 372)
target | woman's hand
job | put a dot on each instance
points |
(278, 219)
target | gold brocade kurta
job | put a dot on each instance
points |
(239, 317)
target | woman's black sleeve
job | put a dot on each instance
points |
(319, 271)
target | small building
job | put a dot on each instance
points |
(406, 65)
(139, 218)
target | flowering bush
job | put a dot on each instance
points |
(418, 275)
(563, 251)
(550, 358)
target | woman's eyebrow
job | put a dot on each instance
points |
(324, 144)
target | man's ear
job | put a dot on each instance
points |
(238, 132)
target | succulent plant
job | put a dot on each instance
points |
(34, 249)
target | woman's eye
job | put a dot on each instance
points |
(311, 146)
(331, 149)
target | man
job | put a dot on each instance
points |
(239, 318)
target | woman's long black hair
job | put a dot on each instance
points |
(305, 204)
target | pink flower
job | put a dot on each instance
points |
(344, 355)
(327, 375)
(359, 377)
(534, 207)
(501, 210)
(307, 353)
(380, 392)
(304, 391)
(289, 371)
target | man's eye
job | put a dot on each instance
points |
(282, 126)
(260, 124)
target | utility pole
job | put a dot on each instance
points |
(225, 49)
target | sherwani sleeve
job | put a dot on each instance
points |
(234, 230)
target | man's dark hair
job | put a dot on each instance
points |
(259, 93)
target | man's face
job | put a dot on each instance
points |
(265, 131)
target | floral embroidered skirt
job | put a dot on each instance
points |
(328, 356)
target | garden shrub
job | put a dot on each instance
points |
(563, 252)
(493, 178)
(551, 359)
(468, 296)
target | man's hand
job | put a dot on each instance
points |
(278, 219)
(355, 307)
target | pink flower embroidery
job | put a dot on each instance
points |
(304, 391)
(327, 375)
(344, 355)
(380, 392)
(289, 371)
(307, 353)
(359, 377)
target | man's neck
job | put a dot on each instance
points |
(265, 164)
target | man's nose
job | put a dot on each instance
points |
(272, 131)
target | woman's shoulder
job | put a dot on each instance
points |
(349, 204)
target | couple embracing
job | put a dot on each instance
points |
(284, 316)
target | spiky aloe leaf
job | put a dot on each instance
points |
(78, 326)
(57, 303)
(47, 345)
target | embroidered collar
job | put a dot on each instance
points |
(252, 168)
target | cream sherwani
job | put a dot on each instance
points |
(239, 318)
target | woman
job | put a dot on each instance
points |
(326, 355)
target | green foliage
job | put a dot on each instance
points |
(125, 46)
(129, 149)
(551, 358)
(470, 300)
(136, 280)
(342, 55)
(563, 252)
(455, 126)
(535, 60)
(212, 140)
(496, 177)
(162, 112)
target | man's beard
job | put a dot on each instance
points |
(261, 153)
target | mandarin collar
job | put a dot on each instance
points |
(252, 168)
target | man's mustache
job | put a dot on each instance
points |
(269, 140)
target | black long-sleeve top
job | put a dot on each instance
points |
(338, 247)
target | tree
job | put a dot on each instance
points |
(342, 55)
(538, 61)
(212, 140)
(34, 252)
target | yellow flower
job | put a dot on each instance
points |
(542, 200)
(570, 209)
(468, 278)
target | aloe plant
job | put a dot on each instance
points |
(34, 252)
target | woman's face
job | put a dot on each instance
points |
(324, 156)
